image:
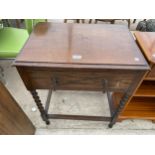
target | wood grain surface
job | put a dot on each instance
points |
(12, 118)
(77, 79)
(88, 44)
(146, 40)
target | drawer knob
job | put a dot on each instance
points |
(55, 83)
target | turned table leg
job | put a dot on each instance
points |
(126, 97)
(40, 106)
(119, 109)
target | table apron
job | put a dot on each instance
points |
(92, 80)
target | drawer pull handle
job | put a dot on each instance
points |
(55, 83)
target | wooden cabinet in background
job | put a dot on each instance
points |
(142, 103)
(13, 121)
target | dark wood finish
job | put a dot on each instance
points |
(81, 57)
(72, 44)
(76, 79)
(79, 117)
(40, 106)
(12, 118)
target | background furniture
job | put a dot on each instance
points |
(75, 20)
(142, 104)
(11, 42)
(12, 118)
(11, 22)
(61, 56)
(13, 39)
(134, 21)
(112, 21)
(2, 75)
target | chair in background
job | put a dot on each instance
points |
(75, 20)
(12, 22)
(90, 21)
(134, 21)
(12, 39)
(79, 20)
(112, 21)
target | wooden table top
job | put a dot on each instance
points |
(147, 42)
(81, 44)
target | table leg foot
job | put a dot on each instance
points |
(110, 125)
(47, 122)
(118, 110)
(45, 118)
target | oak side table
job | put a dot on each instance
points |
(94, 57)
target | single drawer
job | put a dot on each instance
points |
(76, 79)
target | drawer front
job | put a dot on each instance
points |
(151, 74)
(38, 78)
